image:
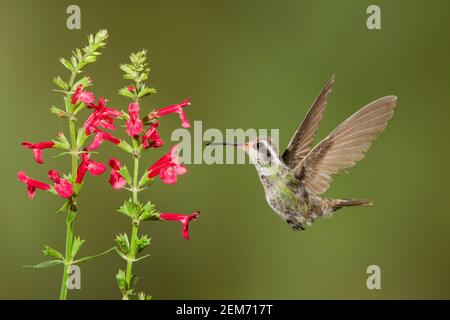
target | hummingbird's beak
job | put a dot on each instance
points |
(242, 146)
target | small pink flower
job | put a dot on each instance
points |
(32, 184)
(152, 138)
(175, 108)
(184, 219)
(94, 168)
(101, 136)
(101, 117)
(134, 124)
(63, 187)
(82, 96)
(168, 167)
(116, 180)
(131, 88)
(37, 148)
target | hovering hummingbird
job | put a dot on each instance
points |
(294, 182)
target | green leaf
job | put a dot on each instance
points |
(85, 259)
(81, 138)
(130, 208)
(85, 81)
(60, 83)
(45, 264)
(63, 208)
(77, 243)
(126, 93)
(121, 280)
(148, 212)
(64, 143)
(143, 296)
(146, 91)
(123, 243)
(50, 252)
(126, 174)
(67, 64)
(144, 180)
(125, 146)
(60, 113)
(142, 243)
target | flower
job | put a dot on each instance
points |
(168, 167)
(63, 187)
(116, 180)
(82, 96)
(151, 138)
(99, 137)
(184, 219)
(131, 88)
(94, 168)
(32, 184)
(134, 124)
(175, 108)
(101, 117)
(37, 148)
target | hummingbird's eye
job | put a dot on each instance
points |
(257, 146)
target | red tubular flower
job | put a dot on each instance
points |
(134, 124)
(168, 167)
(176, 108)
(99, 137)
(131, 88)
(32, 184)
(82, 96)
(101, 117)
(37, 148)
(116, 180)
(152, 138)
(184, 219)
(63, 187)
(94, 168)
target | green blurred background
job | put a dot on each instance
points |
(246, 64)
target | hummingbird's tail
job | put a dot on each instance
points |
(331, 205)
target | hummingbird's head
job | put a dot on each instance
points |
(262, 153)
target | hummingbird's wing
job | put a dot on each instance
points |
(345, 145)
(300, 144)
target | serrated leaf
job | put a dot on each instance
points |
(77, 243)
(67, 64)
(60, 83)
(146, 91)
(85, 81)
(142, 243)
(148, 212)
(50, 252)
(123, 243)
(126, 93)
(46, 264)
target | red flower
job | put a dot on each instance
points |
(32, 184)
(101, 117)
(152, 138)
(134, 124)
(168, 167)
(63, 187)
(177, 108)
(94, 168)
(184, 219)
(82, 96)
(131, 88)
(37, 148)
(99, 137)
(116, 180)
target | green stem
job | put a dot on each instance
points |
(69, 244)
(134, 230)
(70, 213)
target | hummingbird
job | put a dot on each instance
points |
(294, 182)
